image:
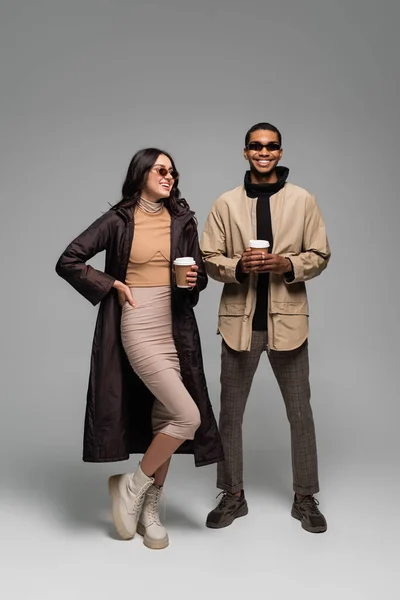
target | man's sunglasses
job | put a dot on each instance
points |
(258, 146)
(164, 172)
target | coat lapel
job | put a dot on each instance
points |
(248, 217)
(276, 206)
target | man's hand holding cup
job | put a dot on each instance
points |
(257, 259)
(253, 258)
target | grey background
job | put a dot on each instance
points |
(86, 83)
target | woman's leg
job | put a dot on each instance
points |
(158, 455)
(161, 474)
(175, 419)
(150, 524)
(146, 334)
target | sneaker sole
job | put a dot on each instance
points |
(241, 512)
(123, 533)
(150, 543)
(320, 529)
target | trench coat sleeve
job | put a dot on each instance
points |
(202, 279)
(316, 253)
(71, 266)
(214, 250)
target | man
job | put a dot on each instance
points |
(264, 308)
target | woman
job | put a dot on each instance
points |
(147, 391)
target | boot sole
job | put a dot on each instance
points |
(123, 533)
(148, 542)
(320, 529)
(241, 512)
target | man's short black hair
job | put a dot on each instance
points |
(263, 127)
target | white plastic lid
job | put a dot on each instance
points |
(184, 261)
(258, 244)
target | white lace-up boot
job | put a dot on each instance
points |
(127, 493)
(149, 526)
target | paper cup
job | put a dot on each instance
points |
(182, 266)
(259, 245)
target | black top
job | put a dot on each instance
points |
(263, 192)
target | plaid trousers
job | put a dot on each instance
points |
(291, 369)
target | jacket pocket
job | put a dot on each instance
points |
(233, 299)
(289, 308)
(288, 330)
(289, 323)
(232, 309)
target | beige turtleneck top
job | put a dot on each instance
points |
(149, 261)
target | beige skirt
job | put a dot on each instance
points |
(146, 332)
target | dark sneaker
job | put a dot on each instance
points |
(230, 507)
(306, 510)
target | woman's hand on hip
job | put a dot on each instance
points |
(124, 293)
(191, 275)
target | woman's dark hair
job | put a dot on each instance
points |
(136, 178)
(263, 127)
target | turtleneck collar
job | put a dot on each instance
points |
(254, 189)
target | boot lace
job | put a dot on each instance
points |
(224, 500)
(138, 501)
(154, 495)
(311, 503)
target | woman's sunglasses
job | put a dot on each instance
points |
(258, 146)
(164, 172)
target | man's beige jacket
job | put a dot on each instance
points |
(299, 234)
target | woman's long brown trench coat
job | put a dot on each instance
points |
(118, 410)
